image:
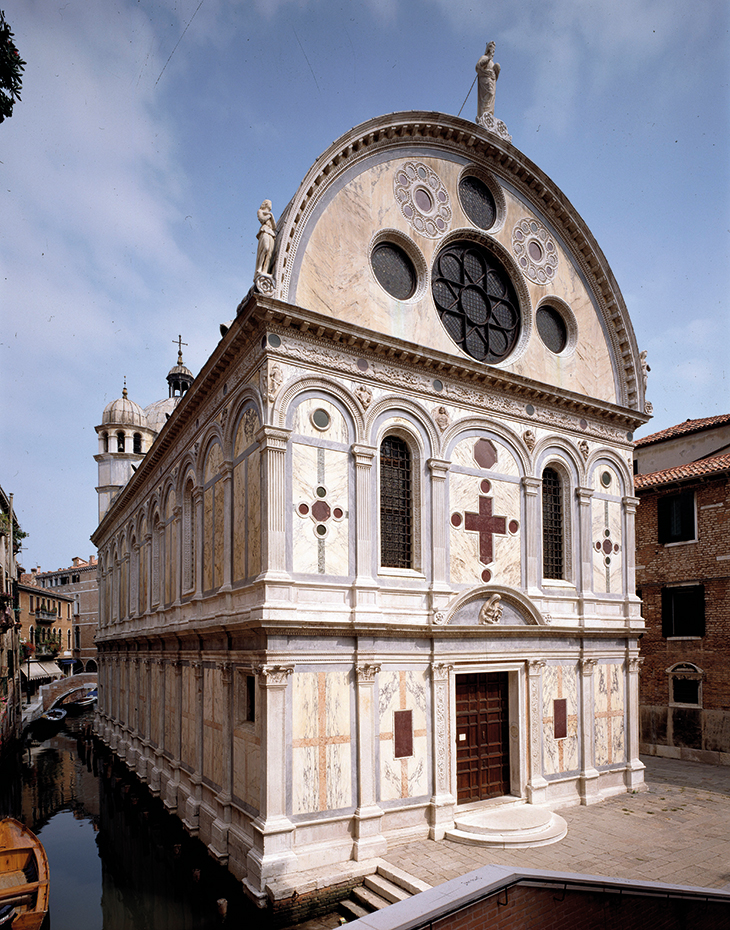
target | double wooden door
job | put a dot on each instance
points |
(482, 736)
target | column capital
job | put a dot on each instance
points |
(363, 455)
(274, 676)
(635, 663)
(584, 495)
(440, 671)
(535, 666)
(531, 485)
(273, 438)
(439, 468)
(366, 672)
(630, 504)
(588, 666)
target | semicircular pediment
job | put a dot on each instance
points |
(493, 605)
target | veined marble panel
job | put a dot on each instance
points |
(321, 757)
(208, 505)
(608, 685)
(247, 428)
(190, 717)
(466, 566)
(246, 766)
(213, 715)
(239, 521)
(505, 464)
(303, 425)
(314, 468)
(599, 482)
(219, 534)
(403, 690)
(607, 546)
(253, 522)
(560, 682)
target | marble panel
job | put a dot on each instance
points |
(338, 759)
(208, 505)
(607, 546)
(246, 432)
(506, 464)
(560, 755)
(598, 483)
(246, 762)
(305, 779)
(212, 726)
(239, 521)
(465, 563)
(608, 689)
(219, 534)
(213, 462)
(253, 515)
(403, 777)
(314, 468)
(190, 712)
(155, 698)
(304, 705)
(303, 425)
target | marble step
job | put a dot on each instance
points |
(514, 827)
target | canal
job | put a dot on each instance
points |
(118, 860)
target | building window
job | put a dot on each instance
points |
(137, 443)
(120, 442)
(683, 611)
(685, 684)
(553, 557)
(396, 504)
(676, 517)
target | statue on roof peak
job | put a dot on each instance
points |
(488, 72)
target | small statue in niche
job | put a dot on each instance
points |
(585, 449)
(530, 439)
(491, 611)
(364, 395)
(488, 72)
(441, 416)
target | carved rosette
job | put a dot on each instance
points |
(496, 126)
(265, 284)
(439, 618)
(423, 199)
(535, 250)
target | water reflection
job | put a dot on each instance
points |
(118, 860)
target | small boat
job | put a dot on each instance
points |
(54, 715)
(81, 704)
(23, 876)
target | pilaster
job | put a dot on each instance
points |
(533, 539)
(369, 841)
(536, 785)
(588, 781)
(635, 767)
(273, 442)
(192, 805)
(441, 813)
(439, 469)
(222, 823)
(227, 482)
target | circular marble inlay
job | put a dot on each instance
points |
(513, 526)
(438, 385)
(486, 487)
(321, 419)
(456, 519)
(486, 576)
(535, 250)
(423, 199)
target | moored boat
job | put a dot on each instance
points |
(54, 715)
(23, 876)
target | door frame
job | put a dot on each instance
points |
(517, 718)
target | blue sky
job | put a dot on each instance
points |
(150, 132)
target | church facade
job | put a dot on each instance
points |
(378, 563)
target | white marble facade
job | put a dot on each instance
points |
(286, 690)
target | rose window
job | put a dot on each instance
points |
(423, 199)
(476, 301)
(535, 251)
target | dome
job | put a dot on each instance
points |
(157, 413)
(179, 377)
(123, 412)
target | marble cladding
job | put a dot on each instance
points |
(560, 755)
(333, 271)
(466, 564)
(215, 706)
(247, 516)
(607, 546)
(303, 422)
(189, 718)
(608, 697)
(321, 751)
(406, 777)
(320, 523)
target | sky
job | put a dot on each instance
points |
(150, 131)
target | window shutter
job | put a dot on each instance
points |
(667, 613)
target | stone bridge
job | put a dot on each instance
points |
(55, 691)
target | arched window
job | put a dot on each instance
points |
(553, 547)
(396, 504)
(137, 444)
(106, 441)
(120, 441)
(188, 539)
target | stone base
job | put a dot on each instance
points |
(513, 826)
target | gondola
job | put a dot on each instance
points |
(23, 877)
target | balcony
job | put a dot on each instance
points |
(43, 615)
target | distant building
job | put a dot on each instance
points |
(683, 577)
(10, 682)
(127, 431)
(46, 621)
(80, 582)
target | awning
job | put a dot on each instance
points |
(40, 670)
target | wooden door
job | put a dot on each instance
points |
(482, 736)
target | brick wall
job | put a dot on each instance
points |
(704, 561)
(528, 908)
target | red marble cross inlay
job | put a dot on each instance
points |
(486, 525)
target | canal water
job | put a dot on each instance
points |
(118, 860)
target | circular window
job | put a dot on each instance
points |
(551, 327)
(321, 418)
(394, 270)
(606, 479)
(476, 301)
(477, 201)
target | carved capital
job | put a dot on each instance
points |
(366, 672)
(584, 495)
(363, 455)
(273, 438)
(635, 663)
(630, 504)
(440, 671)
(531, 485)
(587, 666)
(274, 676)
(535, 666)
(439, 468)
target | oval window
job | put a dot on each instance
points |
(552, 329)
(478, 202)
(394, 270)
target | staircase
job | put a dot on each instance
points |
(386, 886)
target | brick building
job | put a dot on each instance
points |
(80, 582)
(682, 575)
(45, 634)
(10, 685)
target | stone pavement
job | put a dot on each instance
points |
(676, 831)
